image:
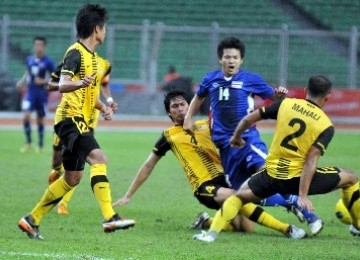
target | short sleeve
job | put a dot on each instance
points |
(324, 139)
(161, 146)
(271, 111)
(72, 63)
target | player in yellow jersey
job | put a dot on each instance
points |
(200, 161)
(303, 132)
(57, 165)
(80, 83)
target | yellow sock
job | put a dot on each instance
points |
(228, 226)
(351, 199)
(65, 200)
(101, 188)
(228, 212)
(258, 215)
(53, 194)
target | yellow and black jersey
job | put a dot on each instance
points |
(79, 62)
(104, 69)
(300, 124)
(198, 156)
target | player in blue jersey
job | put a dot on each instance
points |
(232, 93)
(33, 83)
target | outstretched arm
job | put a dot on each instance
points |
(194, 107)
(243, 125)
(142, 175)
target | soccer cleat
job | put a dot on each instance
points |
(117, 222)
(39, 149)
(53, 176)
(295, 232)
(201, 218)
(62, 209)
(316, 226)
(31, 230)
(204, 236)
(26, 148)
(354, 231)
(297, 213)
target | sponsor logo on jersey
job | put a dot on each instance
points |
(237, 84)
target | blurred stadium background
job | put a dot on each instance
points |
(286, 42)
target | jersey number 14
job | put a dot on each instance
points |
(224, 93)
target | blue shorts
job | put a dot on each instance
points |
(240, 164)
(34, 103)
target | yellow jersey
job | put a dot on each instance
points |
(79, 62)
(197, 156)
(300, 124)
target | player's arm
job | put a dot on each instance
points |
(105, 91)
(106, 111)
(311, 161)
(71, 66)
(53, 84)
(249, 120)
(21, 84)
(194, 107)
(141, 176)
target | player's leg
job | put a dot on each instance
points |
(351, 197)
(258, 152)
(240, 203)
(26, 107)
(100, 184)
(40, 111)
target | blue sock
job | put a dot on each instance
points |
(309, 216)
(275, 200)
(41, 135)
(27, 130)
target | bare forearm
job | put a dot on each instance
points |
(308, 171)
(69, 86)
(246, 122)
(140, 178)
(194, 106)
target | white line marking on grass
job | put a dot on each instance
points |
(52, 255)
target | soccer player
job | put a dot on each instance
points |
(201, 163)
(232, 92)
(33, 83)
(57, 165)
(303, 132)
(80, 83)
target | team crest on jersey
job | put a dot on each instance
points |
(237, 84)
(215, 85)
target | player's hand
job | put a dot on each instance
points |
(281, 92)
(113, 106)
(122, 201)
(86, 81)
(39, 81)
(107, 113)
(305, 203)
(237, 141)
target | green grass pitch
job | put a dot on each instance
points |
(163, 208)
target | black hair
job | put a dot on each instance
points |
(40, 38)
(319, 86)
(173, 94)
(231, 43)
(88, 17)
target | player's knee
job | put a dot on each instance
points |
(348, 177)
(97, 156)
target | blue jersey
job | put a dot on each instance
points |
(231, 99)
(38, 68)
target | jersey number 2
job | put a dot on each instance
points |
(286, 141)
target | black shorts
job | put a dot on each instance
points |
(325, 180)
(207, 191)
(57, 145)
(78, 141)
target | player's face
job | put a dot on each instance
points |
(178, 110)
(230, 62)
(100, 33)
(39, 48)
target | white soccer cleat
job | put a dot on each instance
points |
(295, 232)
(316, 226)
(116, 222)
(203, 236)
(354, 231)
